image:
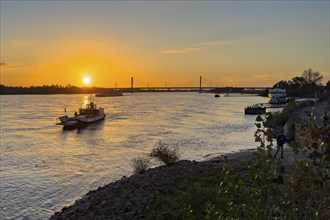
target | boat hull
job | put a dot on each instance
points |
(109, 94)
(89, 120)
(255, 111)
(278, 100)
(80, 122)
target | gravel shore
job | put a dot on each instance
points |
(134, 197)
(138, 196)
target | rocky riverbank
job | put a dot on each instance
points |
(138, 196)
(142, 195)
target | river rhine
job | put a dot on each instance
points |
(44, 168)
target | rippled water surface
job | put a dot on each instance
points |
(44, 168)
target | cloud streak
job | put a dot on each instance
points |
(200, 46)
(207, 44)
(9, 65)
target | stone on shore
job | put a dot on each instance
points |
(133, 197)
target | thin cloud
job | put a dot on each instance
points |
(199, 46)
(207, 44)
(8, 65)
(181, 50)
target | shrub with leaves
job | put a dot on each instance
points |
(165, 154)
(309, 184)
(252, 193)
(140, 164)
(280, 118)
(267, 190)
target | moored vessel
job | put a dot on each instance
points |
(277, 96)
(109, 94)
(255, 110)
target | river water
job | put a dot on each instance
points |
(44, 168)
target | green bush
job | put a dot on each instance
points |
(271, 191)
(282, 117)
(165, 154)
(140, 164)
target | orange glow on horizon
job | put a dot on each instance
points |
(70, 70)
(64, 63)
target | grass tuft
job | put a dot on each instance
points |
(140, 164)
(165, 154)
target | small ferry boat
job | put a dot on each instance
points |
(87, 115)
(109, 94)
(255, 110)
(277, 96)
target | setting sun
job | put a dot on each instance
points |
(86, 80)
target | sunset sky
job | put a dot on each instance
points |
(240, 43)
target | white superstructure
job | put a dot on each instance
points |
(277, 96)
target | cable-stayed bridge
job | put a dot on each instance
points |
(211, 87)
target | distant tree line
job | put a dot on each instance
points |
(236, 90)
(69, 89)
(306, 85)
(52, 89)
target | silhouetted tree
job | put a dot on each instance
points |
(306, 85)
(312, 77)
(298, 82)
(281, 84)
